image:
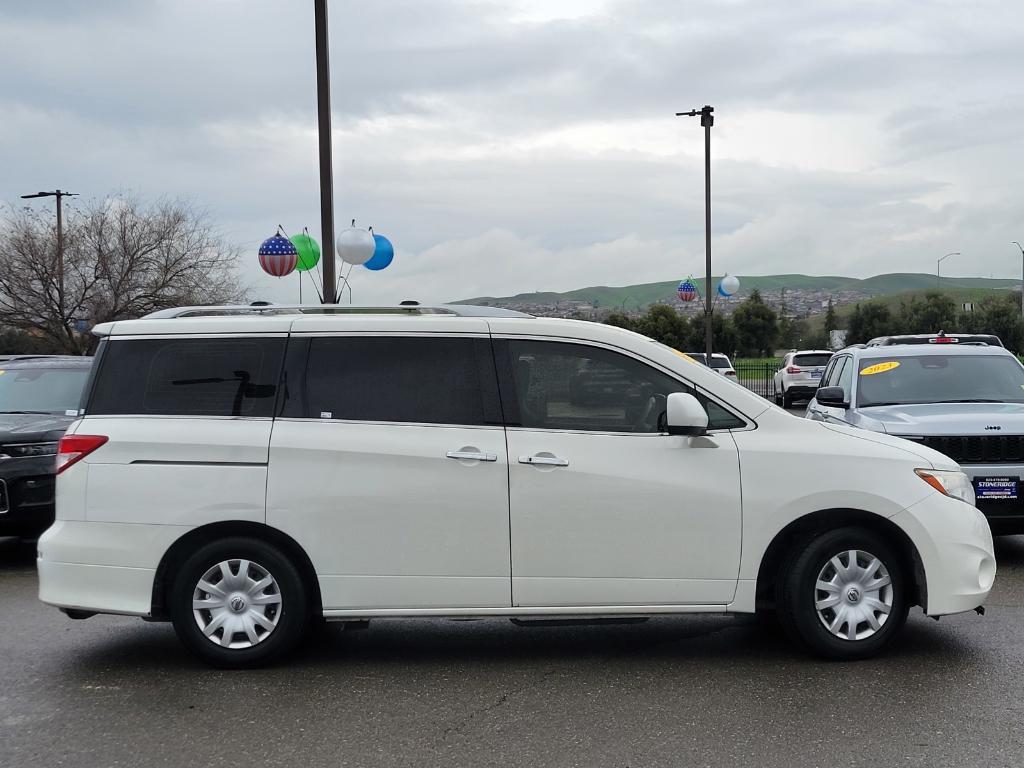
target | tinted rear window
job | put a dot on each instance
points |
(400, 379)
(188, 377)
(812, 361)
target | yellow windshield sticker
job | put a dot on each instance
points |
(880, 368)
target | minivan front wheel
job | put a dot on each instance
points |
(239, 602)
(843, 594)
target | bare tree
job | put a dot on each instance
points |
(122, 259)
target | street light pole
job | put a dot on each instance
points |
(1021, 278)
(323, 111)
(938, 285)
(706, 120)
(60, 195)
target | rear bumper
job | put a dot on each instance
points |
(954, 542)
(102, 567)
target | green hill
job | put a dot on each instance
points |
(633, 296)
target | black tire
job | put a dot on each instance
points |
(290, 615)
(787, 401)
(778, 398)
(796, 595)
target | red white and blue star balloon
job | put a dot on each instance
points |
(278, 256)
(687, 291)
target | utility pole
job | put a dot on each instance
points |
(1021, 278)
(706, 120)
(60, 195)
(323, 111)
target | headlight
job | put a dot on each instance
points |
(951, 482)
(26, 450)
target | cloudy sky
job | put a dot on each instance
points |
(531, 144)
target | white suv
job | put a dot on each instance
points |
(799, 375)
(240, 471)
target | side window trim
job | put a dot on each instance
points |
(509, 396)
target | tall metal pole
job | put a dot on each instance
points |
(1021, 278)
(60, 256)
(706, 120)
(938, 263)
(323, 110)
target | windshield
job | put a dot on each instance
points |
(812, 361)
(939, 379)
(41, 390)
(720, 362)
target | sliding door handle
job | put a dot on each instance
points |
(547, 461)
(472, 455)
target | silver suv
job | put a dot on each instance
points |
(966, 401)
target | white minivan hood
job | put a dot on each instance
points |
(933, 458)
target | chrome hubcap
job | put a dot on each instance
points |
(853, 595)
(237, 604)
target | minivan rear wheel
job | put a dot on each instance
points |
(239, 602)
(843, 594)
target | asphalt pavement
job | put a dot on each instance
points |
(674, 691)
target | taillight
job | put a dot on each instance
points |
(944, 340)
(74, 448)
(730, 373)
(794, 369)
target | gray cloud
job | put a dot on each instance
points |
(506, 148)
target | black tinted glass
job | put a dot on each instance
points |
(578, 387)
(402, 379)
(811, 361)
(188, 377)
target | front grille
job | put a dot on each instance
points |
(979, 449)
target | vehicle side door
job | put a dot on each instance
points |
(388, 466)
(814, 411)
(606, 508)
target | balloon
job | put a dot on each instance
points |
(687, 291)
(729, 285)
(309, 252)
(356, 246)
(278, 256)
(382, 255)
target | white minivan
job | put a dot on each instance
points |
(242, 471)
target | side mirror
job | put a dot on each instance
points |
(831, 397)
(684, 415)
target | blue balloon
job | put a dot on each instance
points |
(382, 254)
(721, 292)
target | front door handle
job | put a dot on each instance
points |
(472, 455)
(548, 461)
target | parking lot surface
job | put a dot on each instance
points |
(686, 691)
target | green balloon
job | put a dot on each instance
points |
(309, 252)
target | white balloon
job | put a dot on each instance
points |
(729, 285)
(356, 246)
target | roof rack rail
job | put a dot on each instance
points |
(455, 310)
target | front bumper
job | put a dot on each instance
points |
(1004, 515)
(26, 506)
(954, 542)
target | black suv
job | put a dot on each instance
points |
(39, 398)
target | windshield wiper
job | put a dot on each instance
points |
(974, 400)
(879, 405)
(41, 413)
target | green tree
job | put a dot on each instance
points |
(757, 327)
(868, 320)
(723, 334)
(620, 320)
(664, 324)
(933, 312)
(1001, 317)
